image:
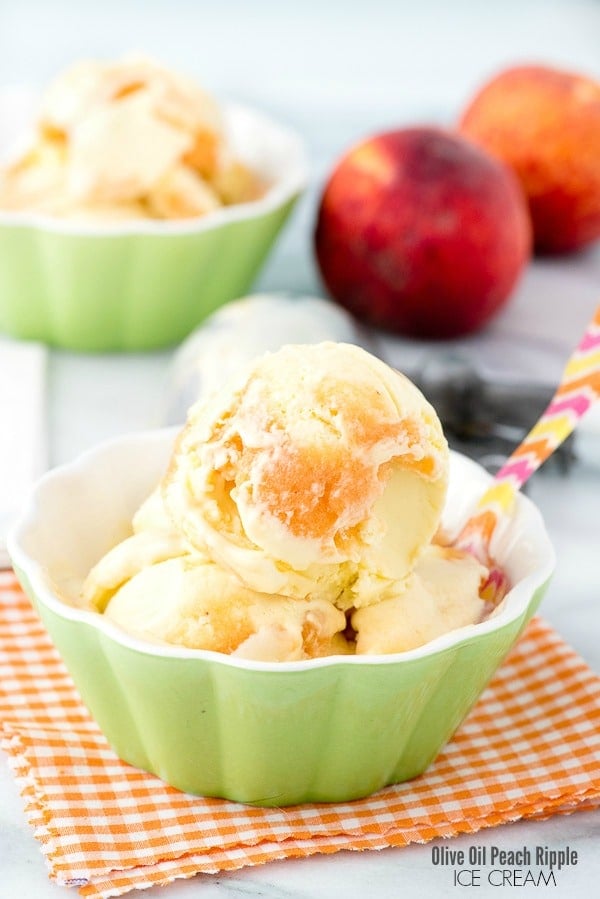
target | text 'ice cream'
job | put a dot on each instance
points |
(296, 519)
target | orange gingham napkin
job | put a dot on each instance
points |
(530, 748)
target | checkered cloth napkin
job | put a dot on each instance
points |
(530, 748)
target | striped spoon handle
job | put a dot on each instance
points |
(578, 389)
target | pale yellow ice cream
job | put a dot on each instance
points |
(154, 539)
(127, 139)
(442, 594)
(154, 585)
(296, 519)
(320, 472)
(197, 604)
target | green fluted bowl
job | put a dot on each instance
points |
(145, 284)
(273, 733)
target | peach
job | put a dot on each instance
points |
(545, 124)
(421, 232)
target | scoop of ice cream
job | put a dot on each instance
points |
(91, 84)
(153, 586)
(129, 136)
(442, 594)
(129, 124)
(120, 151)
(154, 539)
(195, 603)
(319, 471)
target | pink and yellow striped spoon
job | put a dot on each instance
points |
(578, 389)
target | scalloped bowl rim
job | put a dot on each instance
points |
(515, 603)
(281, 191)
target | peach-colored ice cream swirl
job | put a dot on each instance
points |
(320, 472)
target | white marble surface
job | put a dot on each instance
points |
(338, 71)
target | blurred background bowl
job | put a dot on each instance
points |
(277, 733)
(144, 284)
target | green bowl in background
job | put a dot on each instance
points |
(138, 285)
(265, 733)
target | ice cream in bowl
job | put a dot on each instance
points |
(135, 205)
(260, 606)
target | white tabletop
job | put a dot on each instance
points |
(337, 71)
